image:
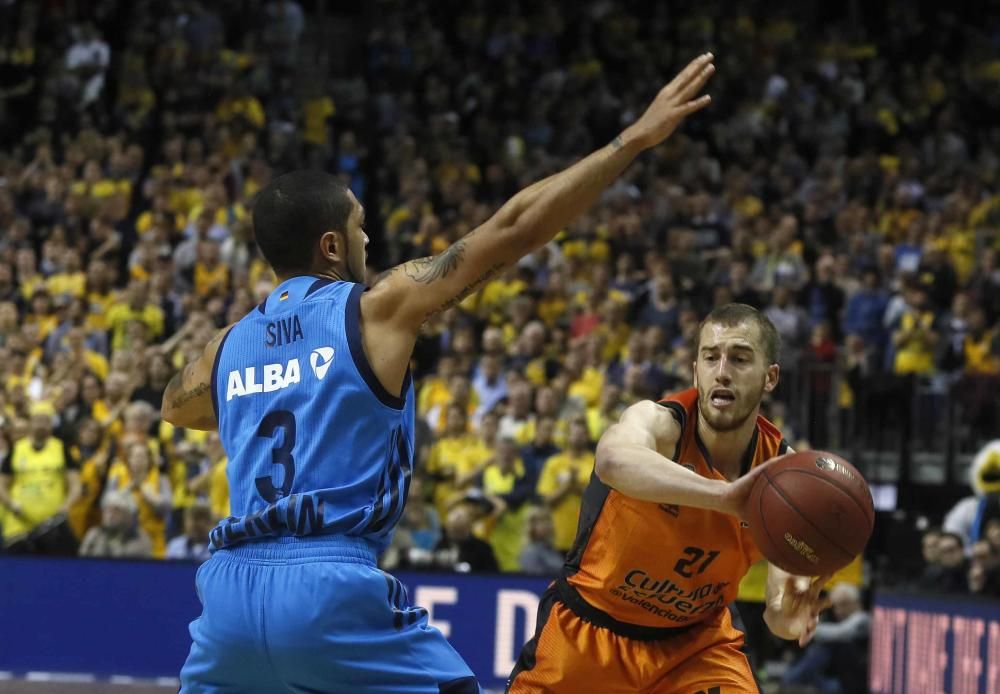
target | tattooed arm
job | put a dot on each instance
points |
(187, 400)
(402, 299)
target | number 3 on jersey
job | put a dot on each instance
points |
(280, 455)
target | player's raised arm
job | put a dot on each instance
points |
(409, 293)
(629, 460)
(187, 399)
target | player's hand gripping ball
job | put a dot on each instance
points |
(810, 513)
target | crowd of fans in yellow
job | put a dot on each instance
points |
(859, 211)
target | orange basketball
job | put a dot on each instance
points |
(811, 513)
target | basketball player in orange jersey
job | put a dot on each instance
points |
(642, 604)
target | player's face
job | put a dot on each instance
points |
(731, 374)
(357, 242)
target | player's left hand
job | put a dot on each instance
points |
(801, 605)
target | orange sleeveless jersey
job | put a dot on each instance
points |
(659, 566)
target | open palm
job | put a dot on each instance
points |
(676, 101)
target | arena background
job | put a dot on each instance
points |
(844, 180)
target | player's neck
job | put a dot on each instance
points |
(330, 273)
(727, 448)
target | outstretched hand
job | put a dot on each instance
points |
(800, 606)
(736, 498)
(675, 102)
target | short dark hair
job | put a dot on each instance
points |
(291, 214)
(734, 314)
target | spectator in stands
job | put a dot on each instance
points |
(949, 574)
(538, 556)
(39, 479)
(661, 307)
(834, 662)
(563, 480)
(818, 362)
(984, 283)
(138, 475)
(460, 550)
(454, 459)
(606, 412)
(915, 334)
(980, 363)
(636, 371)
(540, 449)
(94, 450)
(954, 328)
(929, 546)
(518, 417)
(417, 533)
(192, 545)
(792, 324)
(503, 482)
(87, 61)
(119, 535)
(136, 307)
(489, 383)
(782, 264)
(984, 570)
(822, 298)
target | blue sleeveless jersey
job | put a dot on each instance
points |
(316, 445)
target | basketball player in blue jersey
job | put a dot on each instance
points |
(312, 399)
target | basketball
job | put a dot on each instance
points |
(811, 513)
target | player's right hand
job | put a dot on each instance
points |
(736, 496)
(674, 102)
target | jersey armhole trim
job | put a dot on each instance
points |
(783, 447)
(352, 328)
(677, 410)
(751, 452)
(215, 373)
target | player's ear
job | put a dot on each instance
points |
(332, 246)
(771, 378)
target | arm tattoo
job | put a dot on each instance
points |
(492, 272)
(187, 396)
(617, 144)
(179, 395)
(385, 275)
(427, 270)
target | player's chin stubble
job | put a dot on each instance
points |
(723, 422)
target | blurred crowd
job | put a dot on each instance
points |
(844, 181)
(958, 565)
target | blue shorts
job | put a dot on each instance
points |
(313, 615)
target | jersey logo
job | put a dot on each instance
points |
(673, 509)
(320, 361)
(276, 377)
